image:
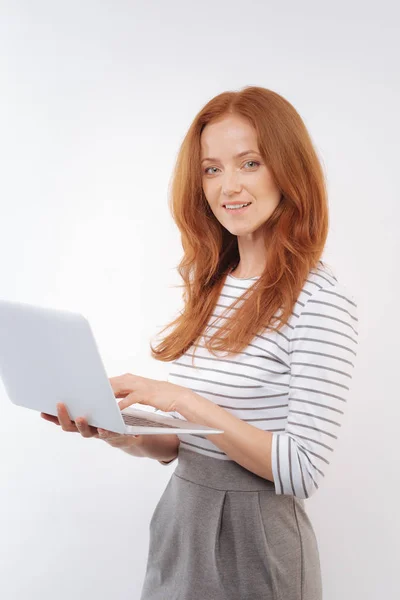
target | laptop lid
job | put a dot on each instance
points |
(49, 356)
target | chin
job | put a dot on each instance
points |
(240, 229)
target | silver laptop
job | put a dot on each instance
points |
(49, 356)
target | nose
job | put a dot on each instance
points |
(231, 184)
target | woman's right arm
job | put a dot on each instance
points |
(159, 447)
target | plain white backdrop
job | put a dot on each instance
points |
(95, 99)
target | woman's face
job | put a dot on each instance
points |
(229, 178)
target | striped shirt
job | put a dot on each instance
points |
(294, 382)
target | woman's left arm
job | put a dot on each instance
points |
(243, 443)
(322, 349)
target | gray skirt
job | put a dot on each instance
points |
(219, 532)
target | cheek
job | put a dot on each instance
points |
(212, 196)
(265, 183)
(266, 188)
(208, 188)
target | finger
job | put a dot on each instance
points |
(104, 434)
(63, 417)
(128, 401)
(112, 438)
(119, 386)
(50, 418)
(85, 429)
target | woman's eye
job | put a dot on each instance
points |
(208, 168)
(249, 161)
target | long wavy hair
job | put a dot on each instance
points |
(294, 235)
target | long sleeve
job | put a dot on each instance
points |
(322, 354)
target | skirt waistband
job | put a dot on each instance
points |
(219, 474)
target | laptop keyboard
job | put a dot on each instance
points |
(142, 422)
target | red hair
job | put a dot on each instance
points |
(294, 235)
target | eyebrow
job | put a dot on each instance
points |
(236, 155)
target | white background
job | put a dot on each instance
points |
(95, 99)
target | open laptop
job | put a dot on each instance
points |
(49, 356)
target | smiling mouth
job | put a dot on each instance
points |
(240, 208)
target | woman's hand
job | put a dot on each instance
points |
(133, 389)
(80, 426)
(117, 440)
(162, 395)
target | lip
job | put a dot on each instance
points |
(234, 203)
(236, 211)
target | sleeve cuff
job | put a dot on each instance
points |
(167, 462)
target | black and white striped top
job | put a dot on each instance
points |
(294, 382)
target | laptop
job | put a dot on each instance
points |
(49, 355)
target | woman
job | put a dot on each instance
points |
(275, 338)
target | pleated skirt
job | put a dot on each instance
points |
(220, 532)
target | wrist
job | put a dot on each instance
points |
(183, 399)
(194, 407)
(159, 447)
(133, 446)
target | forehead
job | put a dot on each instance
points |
(227, 136)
